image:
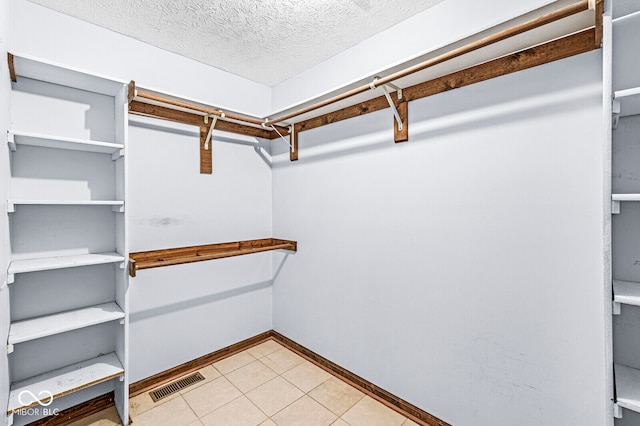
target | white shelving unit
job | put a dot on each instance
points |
(117, 205)
(60, 262)
(628, 391)
(623, 50)
(35, 328)
(65, 380)
(617, 198)
(17, 138)
(65, 171)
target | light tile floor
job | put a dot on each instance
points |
(265, 385)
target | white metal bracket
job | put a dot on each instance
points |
(291, 147)
(9, 348)
(616, 308)
(118, 209)
(11, 278)
(385, 89)
(213, 124)
(615, 111)
(11, 140)
(11, 207)
(615, 207)
(122, 265)
(617, 411)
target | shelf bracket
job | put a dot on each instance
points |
(391, 104)
(9, 348)
(11, 207)
(293, 137)
(617, 411)
(132, 268)
(400, 112)
(615, 112)
(211, 127)
(119, 153)
(12, 68)
(10, 278)
(206, 160)
(131, 91)
(616, 308)
(11, 140)
(118, 209)
(615, 207)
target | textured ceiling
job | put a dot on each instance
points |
(265, 41)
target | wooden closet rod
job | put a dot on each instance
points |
(206, 111)
(578, 7)
(267, 124)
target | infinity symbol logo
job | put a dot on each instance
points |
(47, 398)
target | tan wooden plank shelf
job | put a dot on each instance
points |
(181, 255)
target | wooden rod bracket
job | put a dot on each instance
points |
(12, 68)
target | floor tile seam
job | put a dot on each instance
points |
(230, 357)
(339, 415)
(284, 408)
(241, 395)
(302, 390)
(234, 399)
(192, 409)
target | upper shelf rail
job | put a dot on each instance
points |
(181, 255)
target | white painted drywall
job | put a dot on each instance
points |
(179, 313)
(46, 34)
(5, 96)
(438, 26)
(461, 271)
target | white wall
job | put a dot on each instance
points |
(181, 312)
(461, 271)
(5, 93)
(46, 34)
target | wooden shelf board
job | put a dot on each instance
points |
(627, 387)
(625, 197)
(65, 380)
(626, 292)
(43, 70)
(31, 329)
(60, 262)
(17, 137)
(182, 255)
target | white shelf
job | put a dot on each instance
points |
(629, 101)
(61, 262)
(626, 292)
(17, 137)
(43, 70)
(117, 205)
(31, 329)
(627, 387)
(64, 381)
(625, 197)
